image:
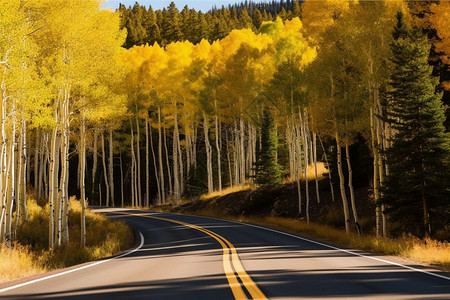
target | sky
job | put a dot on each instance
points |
(203, 5)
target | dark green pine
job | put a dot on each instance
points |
(417, 187)
(170, 27)
(268, 171)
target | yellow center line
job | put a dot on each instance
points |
(228, 248)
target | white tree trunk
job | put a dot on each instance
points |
(305, 134)
(169, 173)
(352, 193)
(230, 168)
(105, 171)
(219, 150)
(147, 164)
(94, 162)
(158, 183)
(121, 180)
(315, 166)
(299, 167)
(82, 177)
(133, 169)
(208, 154)
(376, 190)
(138, 163)
(329, 170)
(111, 166)
(160, 159)
(342, 186)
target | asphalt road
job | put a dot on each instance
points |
(186, 257)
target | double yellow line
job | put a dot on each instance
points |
(231, 264)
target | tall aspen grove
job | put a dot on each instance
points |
(140, 107)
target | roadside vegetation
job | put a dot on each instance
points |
(233, 204)
(105, 238)
(427, 251)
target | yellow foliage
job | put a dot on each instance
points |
(440, 20)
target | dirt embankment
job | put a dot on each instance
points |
(284, 202)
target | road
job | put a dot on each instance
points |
(189, 257)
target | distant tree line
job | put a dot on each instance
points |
(147, 26)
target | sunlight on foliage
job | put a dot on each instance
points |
(104, 238)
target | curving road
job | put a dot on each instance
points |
(187, 257)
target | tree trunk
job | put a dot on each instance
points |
(342, 185)
(37, 184)
(24, 170)
(105, 171)
(352, 193)
(169, 173)
(53, 188)
(11, 178)
(315, 166)
(111, 166)
(160, 156)
(82, 177)
(94, 162)
(306, 149)
(376, 190)
(230, 169)
(138, 163)
(242, 151)
(299, 167)
(121, 180)
(208, 150)
(329, 169)
(158, 183)
(147, 164)
(219, 149)
(175, 160)
(133, 168)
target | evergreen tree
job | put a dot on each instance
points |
(170, 27)
(268, 171)
(257, 19)
(418, 159)
(296, 10)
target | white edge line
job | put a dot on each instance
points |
(350, 252)
(332, 247)
(74, 270)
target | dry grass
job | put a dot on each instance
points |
(17, 262)
(227, 191)
(424, 251)
(322, 171)
(430, 252)
(104, 238)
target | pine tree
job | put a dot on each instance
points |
(170, 27)
(418, 159)
(268, 171)
(257, 18)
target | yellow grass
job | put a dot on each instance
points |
(311, 174)
(104, 238)
(431, 252)
(227, 191)
(17, 262)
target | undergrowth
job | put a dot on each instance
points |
(30, 254)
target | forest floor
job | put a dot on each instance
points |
(279, 208)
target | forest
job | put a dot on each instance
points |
(140, 107)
